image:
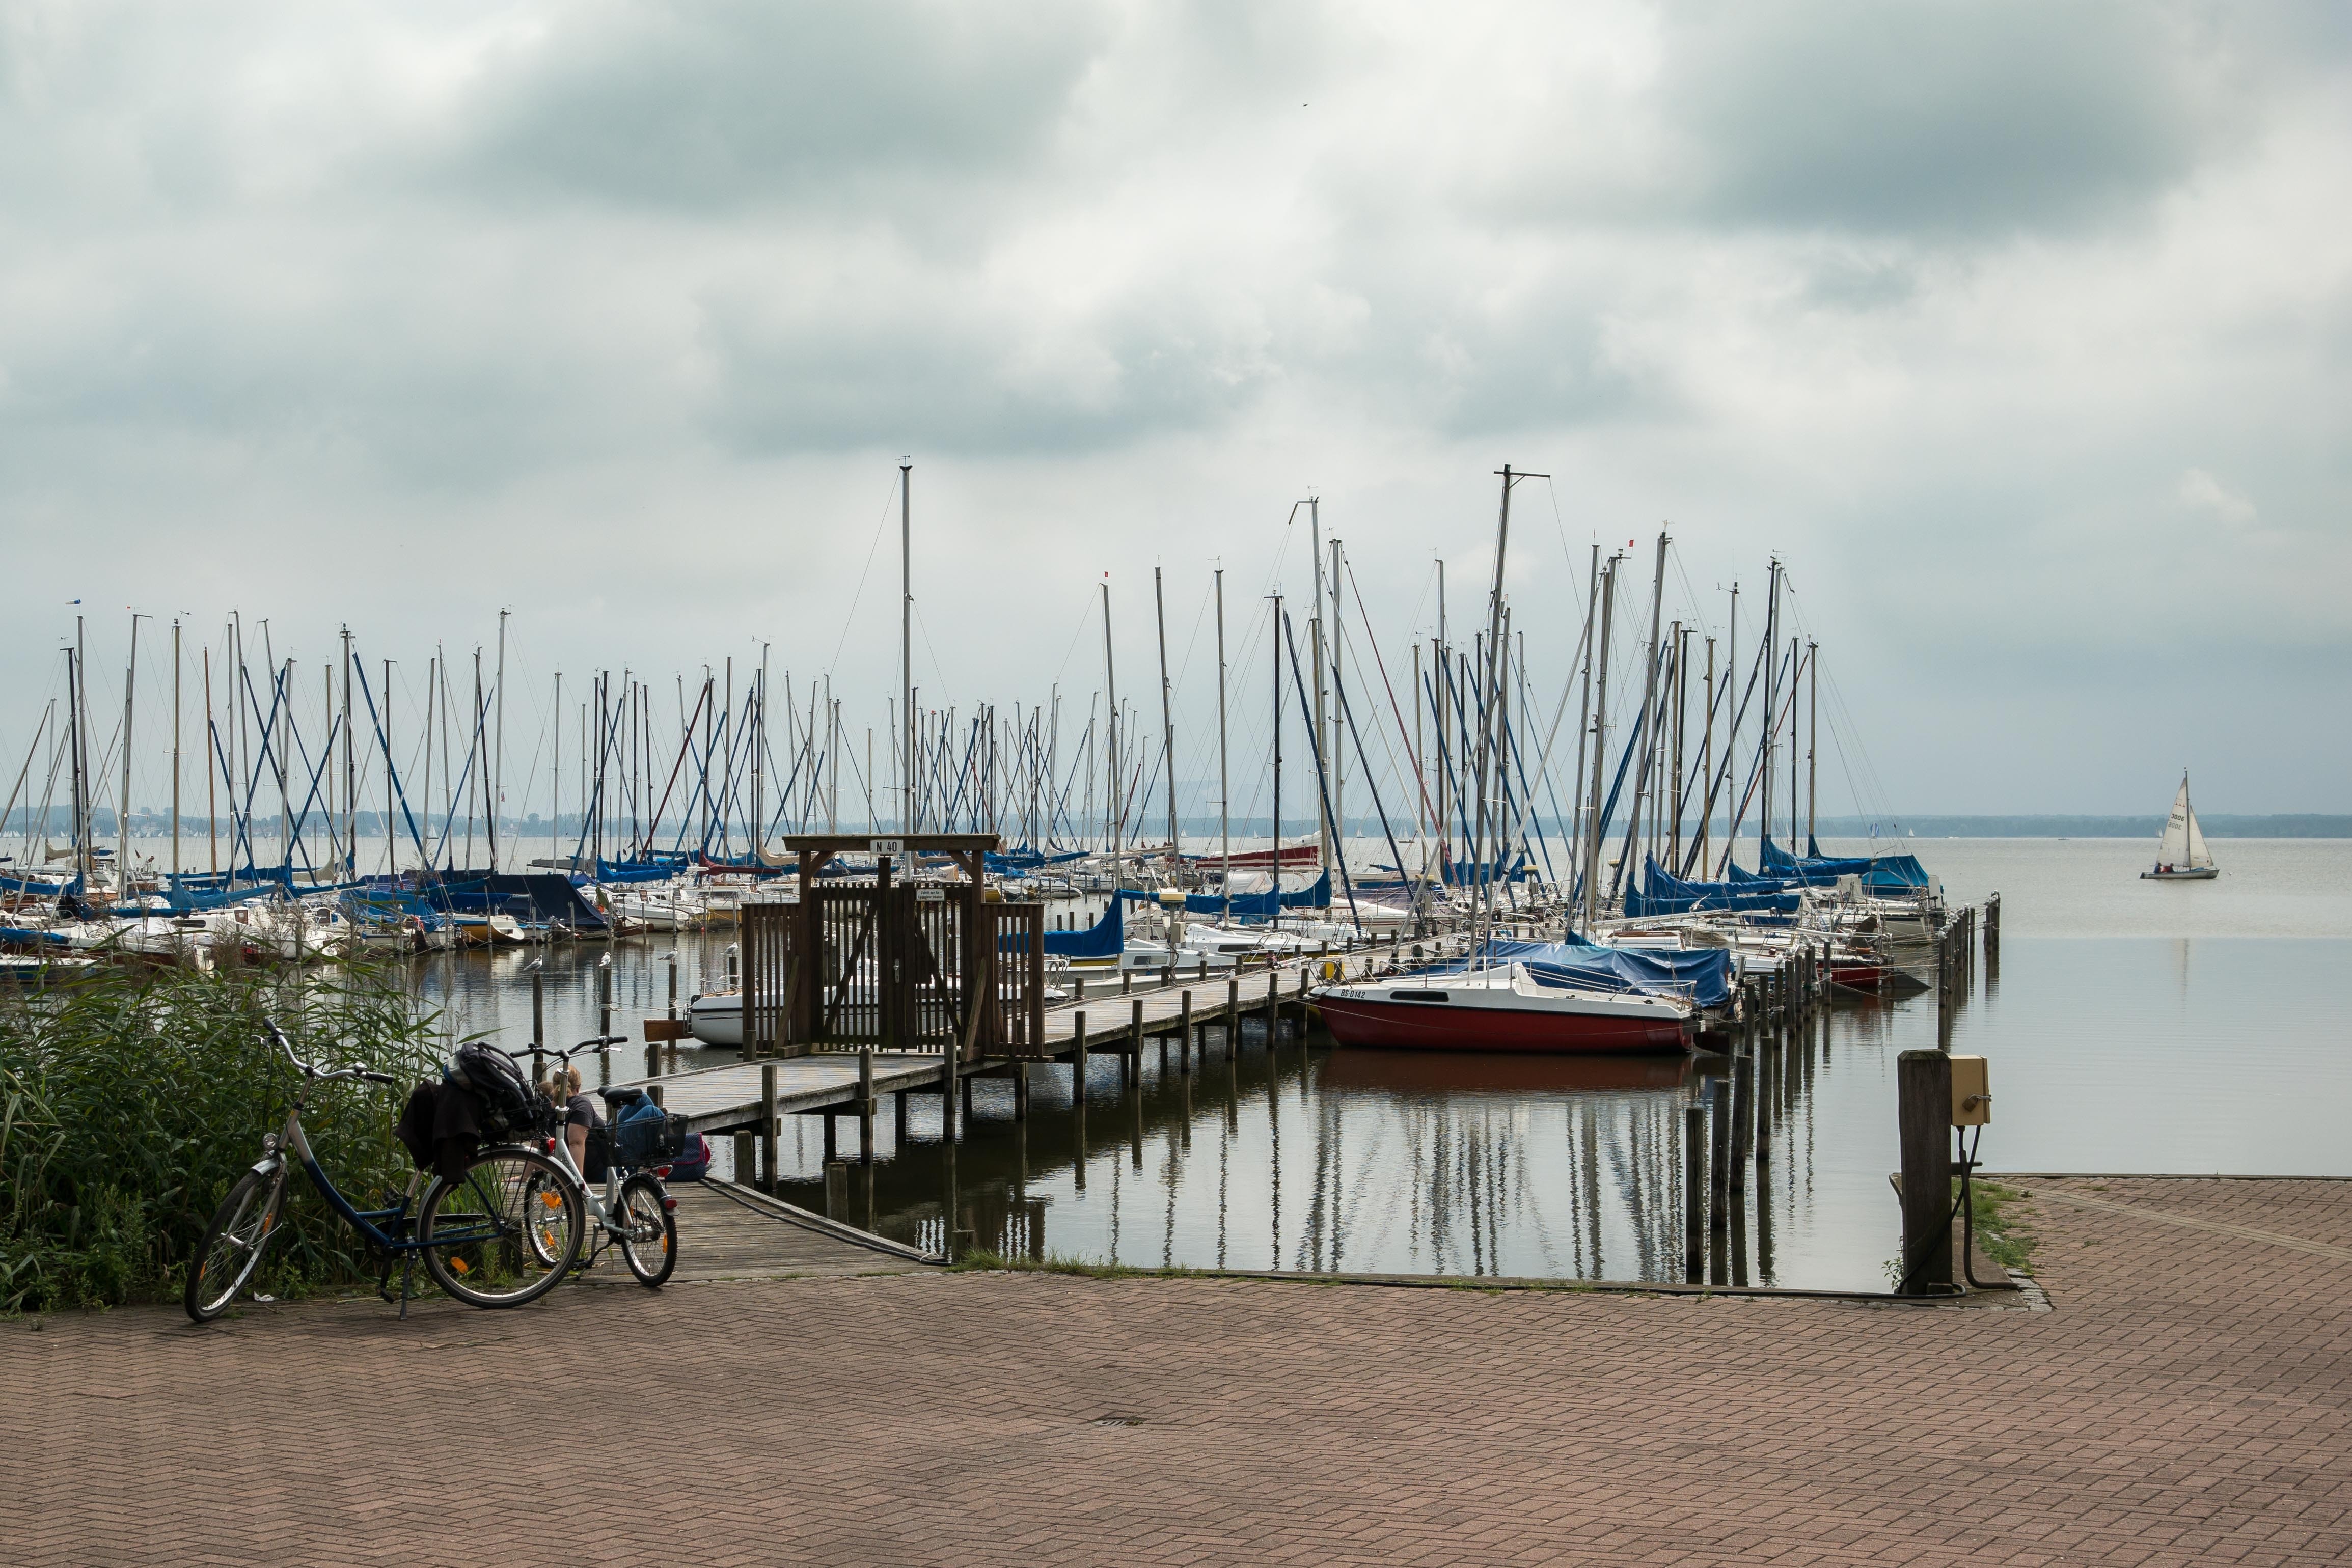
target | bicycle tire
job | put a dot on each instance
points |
(648, 1231)
(239, 1233)
(477, 1232)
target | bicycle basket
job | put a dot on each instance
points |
(648, 1136)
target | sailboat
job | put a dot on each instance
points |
(2181, 856)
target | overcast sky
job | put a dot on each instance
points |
(2022, 332)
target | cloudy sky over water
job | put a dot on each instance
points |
(2024, 333)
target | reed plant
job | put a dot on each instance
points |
(131, 1099)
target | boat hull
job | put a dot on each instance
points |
(2203, 873)
(1419, 1026)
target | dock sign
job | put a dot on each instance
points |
(888, 847)
(931, 895)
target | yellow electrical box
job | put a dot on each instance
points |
(1971, 1092)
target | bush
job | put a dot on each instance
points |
(134, 1098)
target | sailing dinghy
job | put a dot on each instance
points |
(2182, 856)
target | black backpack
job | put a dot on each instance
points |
(509, 1104)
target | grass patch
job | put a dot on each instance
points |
(2000, 1225)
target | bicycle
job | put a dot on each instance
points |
(501, 1234)
(635, 1211)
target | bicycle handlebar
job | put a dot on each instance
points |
(567, 1052)
(320, 1074)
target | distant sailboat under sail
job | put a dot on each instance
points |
(2182, 856)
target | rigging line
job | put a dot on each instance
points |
(849, 616)
(1356, 588)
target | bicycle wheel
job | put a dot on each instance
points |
(505, 1232)
(232, 1245)
(544, 1236)
(649, 1238)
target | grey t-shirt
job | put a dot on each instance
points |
(581, 1112)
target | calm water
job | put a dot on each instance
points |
(2131, 1027)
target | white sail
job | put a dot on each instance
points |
(2198, 857)
(2183, 846)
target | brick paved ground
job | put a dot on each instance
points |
(2186, 1401)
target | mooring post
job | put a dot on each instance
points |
(830, 1152)
(1693, 1193)
(1020, 1089)
(672, 986)
(866, 1106)
(538, 1009)
(1135, 1040)
(654, 1092)
(1184, 1047)
(747, 1156)
(1923, 1090)
(1078, 1062)
(1273, 1006)
(897, 1120)
(1743, 1114)
(1719, 1181)
(768, 1125)
(836, 1186)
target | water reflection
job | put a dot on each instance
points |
(2108, 1054)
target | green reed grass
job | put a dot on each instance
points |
(130, 1100)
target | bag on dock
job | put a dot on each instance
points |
(645, 1134)
(693, 1161)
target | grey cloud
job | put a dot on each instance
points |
(737, 101)
(1943, 117)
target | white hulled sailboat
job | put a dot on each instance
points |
(2181, 856)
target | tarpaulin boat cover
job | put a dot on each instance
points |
(1315, 895)
(1106, 938)
(547, 897)
(1703, 975)
(1822, 870)
(1666, 894)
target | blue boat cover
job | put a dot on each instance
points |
(1315, 895)
(1663, 892)
(1900, 872)
(1703, 975)
(1106, 938)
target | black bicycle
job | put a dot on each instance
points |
(501, 1235)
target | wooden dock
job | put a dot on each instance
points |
(1108, 1014)
(728, 1232)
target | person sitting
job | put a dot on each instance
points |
(580, 1119)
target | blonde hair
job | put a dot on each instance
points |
(564, 1080)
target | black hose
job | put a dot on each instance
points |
(1944, 1231)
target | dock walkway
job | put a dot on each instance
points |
(1101, 1017)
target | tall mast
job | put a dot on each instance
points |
(1490, 719)
(1812, 740)
(176, 747)
(285, 745)
(1583, 714)
(1771, 710)
(498, 757)
(1315, 645)
(391, 838)
(74, 719)
(1110, 781)
(1167, 714)
(1642, 783)
(1337, 753)
(1731, 732)
(759, 761)
(1600, 743)
(212, 796)
(1276, 642)
(554, 773)
(1706, 764)
(351, 774)
(1225, 774)
(475, 785)
(122, 804)
(1796, 674)
(907, 823)
(1440, 666)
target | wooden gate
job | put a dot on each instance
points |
(880, 963)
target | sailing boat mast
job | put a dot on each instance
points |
(1813, 741)
(1110, 783)
(498, 758)
(1225, 774)
(1167, 714)
(1314, 646)
(1627, 870)
(1600, 741)
(122, 802)
(176, 750)
(907, 823)
(1493, 700)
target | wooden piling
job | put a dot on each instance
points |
(1233, 1018)
(1743, 1115)
(747, 1159)
(836, 1186)
(768, 1125)
(1184, 1046)
(866, 1106)
(1135, 1043)
(1078, 1062)
(1693, 1193)
(1923, 1091)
